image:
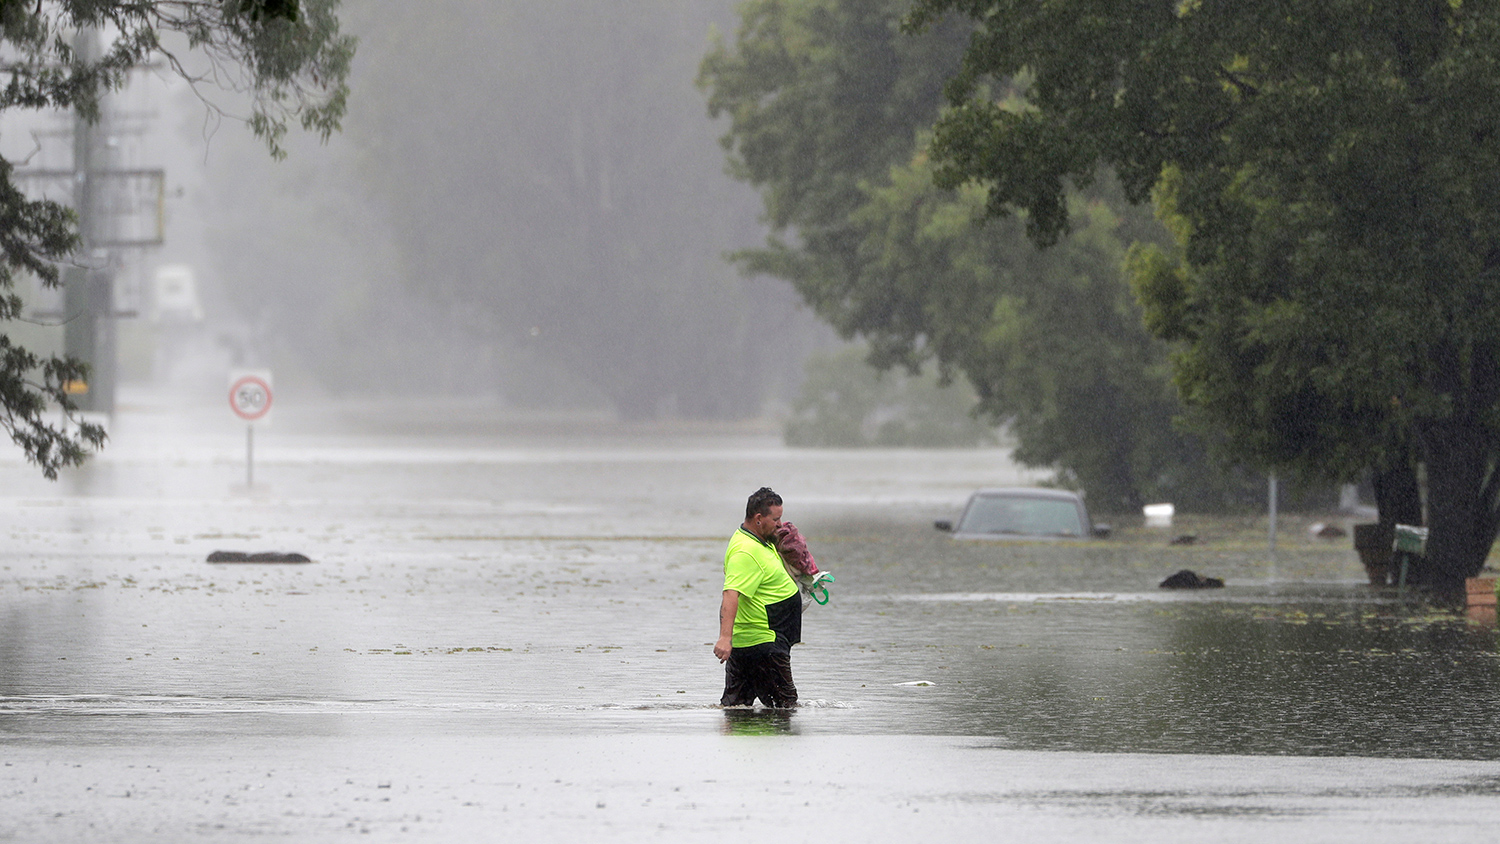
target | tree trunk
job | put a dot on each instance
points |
(1398, 496)
(1398, 501)
(1460, 501)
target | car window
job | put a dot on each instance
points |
(1027, 516)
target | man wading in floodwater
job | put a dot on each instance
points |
(761, 615)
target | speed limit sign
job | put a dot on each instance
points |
(250, 395)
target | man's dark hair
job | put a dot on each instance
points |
(760, 503)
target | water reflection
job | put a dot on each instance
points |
(747, 721)
(1324, 677)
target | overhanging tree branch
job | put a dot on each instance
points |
(286, 56)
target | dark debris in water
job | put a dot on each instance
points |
(1188, 579)
(258, 557)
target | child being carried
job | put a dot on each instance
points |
(800, 564)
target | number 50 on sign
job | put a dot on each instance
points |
(250, 394)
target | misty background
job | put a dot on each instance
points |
(527, 205)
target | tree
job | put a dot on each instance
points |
(286, 56)
(828, 106)
(823, 97)
(567, 243)
(845, 403)
(1331, 172)
(1051, 339)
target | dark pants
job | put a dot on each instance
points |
(765, 671)
(760, 671)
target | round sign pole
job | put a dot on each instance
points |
(250, 399)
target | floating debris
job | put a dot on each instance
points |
(1321, 530)
(259, 557)
(1159, 515)
(1187, 579)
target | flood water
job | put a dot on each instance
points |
(506, 631)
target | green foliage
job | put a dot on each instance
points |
(262, 10)
(828, 104)
(1052, 339)
(846, 403)
(288, 57)
(822, 96)
(1331, 173)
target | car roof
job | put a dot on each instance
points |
(1028, 492)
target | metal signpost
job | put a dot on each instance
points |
(250, 399)
(1271, 496)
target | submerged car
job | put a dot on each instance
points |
(1024, 513)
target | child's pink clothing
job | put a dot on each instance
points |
(794, 551)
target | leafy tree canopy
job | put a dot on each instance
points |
(1330, 172)
(1051, 339)
(286, 56)
(822, 96)
(829, 106)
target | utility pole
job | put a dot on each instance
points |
(118, 210)
(88, 289)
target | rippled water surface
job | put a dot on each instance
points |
(506, 626)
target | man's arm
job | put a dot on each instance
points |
(727, 611)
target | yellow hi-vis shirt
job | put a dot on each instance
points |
(753, 568)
